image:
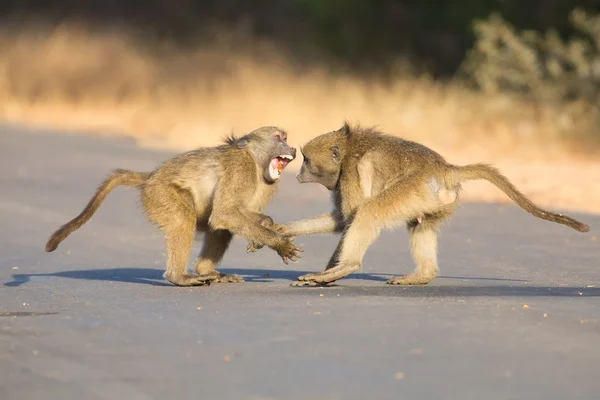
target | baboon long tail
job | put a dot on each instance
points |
(119, 177)
(492, 175)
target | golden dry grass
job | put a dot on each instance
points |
(72, 78)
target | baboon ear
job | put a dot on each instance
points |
(335, 153)
(346, 128)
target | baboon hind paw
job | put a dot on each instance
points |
(188, 280)
(411, 279)
(218, 277)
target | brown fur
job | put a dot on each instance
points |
(220, 191)
(379, 181)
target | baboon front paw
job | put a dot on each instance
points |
(289, 252)
(411, 279)
(330, 275)
(188, 280)
(310, 277)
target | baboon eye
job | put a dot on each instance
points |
(277, 137)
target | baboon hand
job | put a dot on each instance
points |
(288, 251)
(279, 228)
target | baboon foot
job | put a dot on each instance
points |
(328, 276)
(217, 277)
(310, 284)
(411, 279)
(187, 280)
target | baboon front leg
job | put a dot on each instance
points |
(215, 244)
(324, 223)
(423, 240)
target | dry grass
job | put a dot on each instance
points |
(71, 78)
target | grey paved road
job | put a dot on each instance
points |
(514, 315)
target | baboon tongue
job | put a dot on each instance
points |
(275, 165)
(282, 163)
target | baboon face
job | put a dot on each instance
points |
(269, 146)
(322, 161)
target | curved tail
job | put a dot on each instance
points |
(119, 177)
(483, 171)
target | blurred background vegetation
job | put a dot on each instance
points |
(525, 69)
(364, 35)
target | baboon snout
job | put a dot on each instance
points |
(302, 176)
(291, 151)
(287, 150)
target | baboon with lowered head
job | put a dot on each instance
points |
(380, 181)
(220, 191)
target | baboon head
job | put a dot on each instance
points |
(323, 157)
(268, 145)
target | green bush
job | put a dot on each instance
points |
(543, 66)
(560, 77)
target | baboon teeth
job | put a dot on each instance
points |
(286, 156)
(275, 168)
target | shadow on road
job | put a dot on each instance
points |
(154, 277)
(150, 276)
(147, 276)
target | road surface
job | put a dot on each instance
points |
(515, 313)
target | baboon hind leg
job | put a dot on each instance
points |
(404, 201)
(424, 245)
(213, 249)
(170, 211)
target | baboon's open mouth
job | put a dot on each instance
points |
(278, 164)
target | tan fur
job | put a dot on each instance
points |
(381, 182)
(220, 191)
(365, 174)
